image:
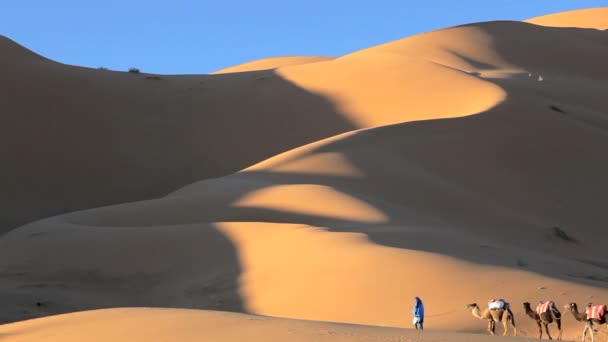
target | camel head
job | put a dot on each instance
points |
(527, 305)
(572, 307)
(472, 306)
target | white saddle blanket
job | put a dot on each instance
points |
(496, 304)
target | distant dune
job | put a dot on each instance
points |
(458, 165)
(273, 63)
(596, 18)
(104, 137)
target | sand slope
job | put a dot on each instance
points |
(596, 18)
(272, 63)
(152, 325)
(505, 203)
(98, 133)
(105, 137)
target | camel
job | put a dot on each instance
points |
(582, 317)
(546, 318)
(504, 316)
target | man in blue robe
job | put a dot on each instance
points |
(418, 312)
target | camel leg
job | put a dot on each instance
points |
(547, 330)
(540, 330)
(512, 317)
(505, 326)
(491, 326)
(585, 331)
(559, 329)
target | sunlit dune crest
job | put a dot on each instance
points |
(312, 200)
(326, 164)
(596, 18)
(273, 63)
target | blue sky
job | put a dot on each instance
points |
(189, 36)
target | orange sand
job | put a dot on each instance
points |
(273, 63)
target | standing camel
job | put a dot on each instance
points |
(582, 317)
(504, 316)
(545, 314)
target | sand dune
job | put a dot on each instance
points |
(193, 123)
(151, 325)
(418, 196)
(273, 63)
(596, 18)
(105, 137)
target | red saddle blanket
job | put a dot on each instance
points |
(596, 312)
(544, 307)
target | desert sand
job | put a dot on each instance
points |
(458, 165)
(273, 63)
(595, 18)
(147, 324)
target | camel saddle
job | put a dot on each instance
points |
(546, 306)
(596, 312)
(497, 304)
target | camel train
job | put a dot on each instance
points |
(499, 311)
